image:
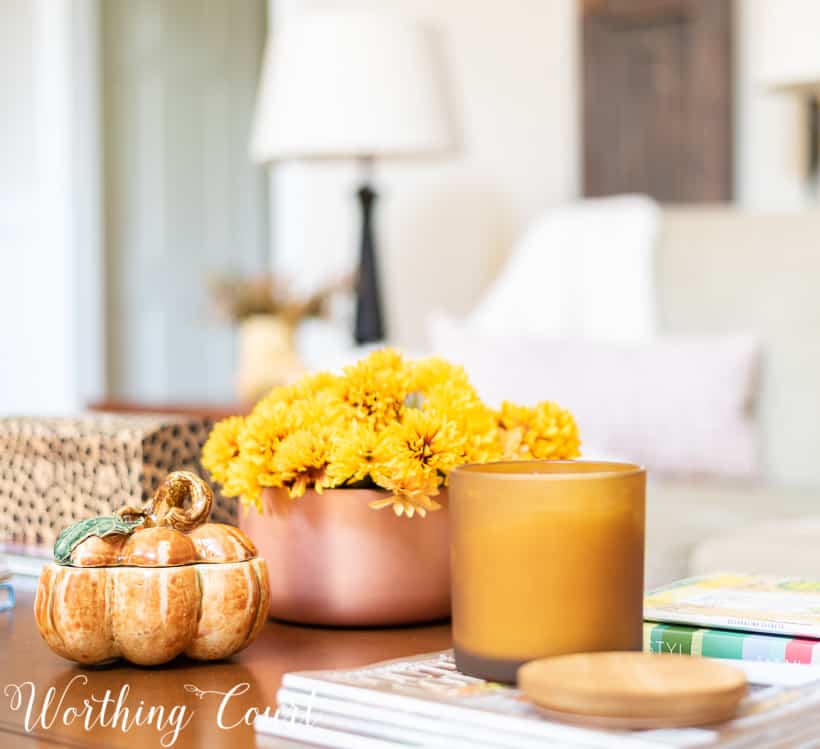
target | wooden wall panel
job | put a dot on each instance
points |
(657, 78)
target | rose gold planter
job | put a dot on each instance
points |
(334, 561)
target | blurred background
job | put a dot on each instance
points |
(127, 186)
(608, 203)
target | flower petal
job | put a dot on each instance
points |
(379, 504)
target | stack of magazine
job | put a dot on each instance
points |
(424, 701)
(737, 616)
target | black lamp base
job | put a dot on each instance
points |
(369, 326)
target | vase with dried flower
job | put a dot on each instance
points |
(344, 481)
(267, 314)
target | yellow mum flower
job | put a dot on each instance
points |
(266, 427)
(511, 415)
(458, 402)
(318, 382)
(401, 425)
(243, 481)
(429, 373)
(545, 432)
(555, 434)
(354, 454)
(325, 408)
(222, 447)
(421, 445)
(309, 386)
(411, 494)
(375, 387)
(301, 459)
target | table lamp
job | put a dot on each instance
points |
(351, 85)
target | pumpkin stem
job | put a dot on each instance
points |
(129, 513)
(168, 506)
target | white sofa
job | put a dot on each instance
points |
(723, 270)
(719, 270)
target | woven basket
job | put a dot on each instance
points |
(55, 471)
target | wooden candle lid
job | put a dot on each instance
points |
(634, 690)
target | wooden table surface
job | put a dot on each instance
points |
(24, 657)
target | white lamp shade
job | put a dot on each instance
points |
(349, 84)
(792, 54)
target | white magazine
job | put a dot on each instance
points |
(425, 702)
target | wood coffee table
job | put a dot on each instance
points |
(24, 657)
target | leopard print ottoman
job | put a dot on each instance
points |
(55, 471)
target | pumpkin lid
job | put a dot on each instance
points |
(171, 530)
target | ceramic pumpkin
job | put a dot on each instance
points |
(149, 584)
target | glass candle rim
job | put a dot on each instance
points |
(610, 469)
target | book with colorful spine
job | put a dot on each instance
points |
(736, 616)
(758, 604)
(721, 643)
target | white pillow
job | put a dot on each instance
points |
(680, 406)
(585, 269)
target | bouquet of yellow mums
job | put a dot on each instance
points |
(386, 422)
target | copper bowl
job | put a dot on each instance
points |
(335, 561)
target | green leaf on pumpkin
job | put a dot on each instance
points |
(106, 525)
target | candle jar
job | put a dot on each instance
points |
(547, 559)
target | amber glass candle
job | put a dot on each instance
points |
(547, 559)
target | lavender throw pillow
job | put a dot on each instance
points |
(679, 406)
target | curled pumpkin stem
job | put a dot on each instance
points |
(168, 507)
(169, 504)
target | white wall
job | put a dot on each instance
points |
(50, 290)
(512, 68)
(770, 127)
